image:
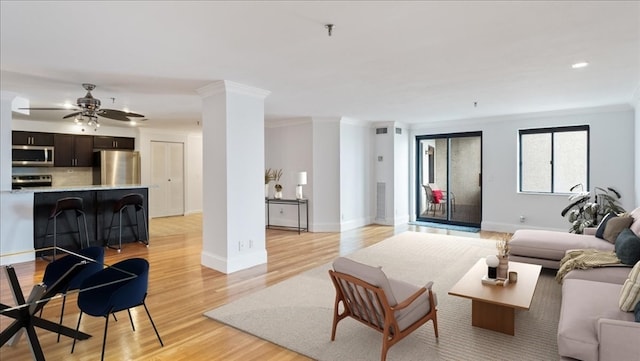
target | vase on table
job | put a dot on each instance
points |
(278, 194)
(503, 266)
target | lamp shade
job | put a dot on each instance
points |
(302, 178)
(492, 261)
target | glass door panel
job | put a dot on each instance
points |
(448, 176)
(465, 171)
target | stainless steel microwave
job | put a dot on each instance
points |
(31, 156)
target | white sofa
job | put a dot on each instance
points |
(592, 327)
(547, 248)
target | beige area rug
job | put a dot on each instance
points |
(297, 313)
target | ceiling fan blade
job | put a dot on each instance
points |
(72, 115)
(47, 109)
(118, 114)
(113, 114)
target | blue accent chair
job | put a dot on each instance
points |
(56, 269)
(109, 296)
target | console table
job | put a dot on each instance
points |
(293, 202)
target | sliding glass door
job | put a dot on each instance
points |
(449, 178)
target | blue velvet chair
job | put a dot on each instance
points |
(104, 294)
(60, 266)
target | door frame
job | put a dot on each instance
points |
(419, 172)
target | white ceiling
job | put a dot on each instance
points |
(404, 61)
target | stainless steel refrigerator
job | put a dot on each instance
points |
(116, 167)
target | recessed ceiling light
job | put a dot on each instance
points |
(582, 64)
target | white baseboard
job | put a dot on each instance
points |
(512, 227)
(235, 263)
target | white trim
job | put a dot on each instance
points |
(521, 116)
(239, 262)
(222, 86)
(287, 122)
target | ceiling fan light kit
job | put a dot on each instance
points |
(88, 110)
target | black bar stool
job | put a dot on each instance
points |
(62, 205)
(130, 200)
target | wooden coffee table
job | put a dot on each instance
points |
(493, 307)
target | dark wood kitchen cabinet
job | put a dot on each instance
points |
(116, 143)
(73, 150)
(32, 138)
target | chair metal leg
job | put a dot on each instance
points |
(119, 231)
(104, 338)
(153, 324)
(86, 231)
(55, 233)
(109, 232)
(131, 319)
(77, 333)
(64, 301)
(146, 228)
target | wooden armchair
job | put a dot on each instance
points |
(367, 295)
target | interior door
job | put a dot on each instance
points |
(449, 176)
(166, 197)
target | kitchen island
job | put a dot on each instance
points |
(25, 213)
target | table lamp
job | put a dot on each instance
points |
(302, 180)
(492, 263)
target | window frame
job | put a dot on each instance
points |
(552, 131)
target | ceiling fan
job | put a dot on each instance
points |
(89, 107)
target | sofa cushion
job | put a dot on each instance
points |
(630, 292)
(417, 309)
(577, 327)
(369, 274)
(635, 226)
(603, 224)
(551, 244)
(615, 226)
(628, 247)
(609, 274)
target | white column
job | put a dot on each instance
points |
(16, 209)
(233, 227)
(6, 120)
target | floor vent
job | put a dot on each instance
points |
(381, 202)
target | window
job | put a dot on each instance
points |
(552, 160)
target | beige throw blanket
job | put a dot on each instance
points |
(585, 259)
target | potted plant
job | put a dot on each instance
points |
(276, 177)
(268, 177)
(584, 212)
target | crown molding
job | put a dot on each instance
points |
(226, 86)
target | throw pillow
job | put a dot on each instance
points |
(437, 196)
(615, 226)
(637, 312)
(630, 293)
(627, 247)
(603, 224)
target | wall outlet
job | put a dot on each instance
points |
(281, 210)
(240, 245)
(522, 219)
(250, 243)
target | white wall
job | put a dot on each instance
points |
(612, 163)
(636, 104)
(355, 174)
(193, 170)
(288, 146)
(401, 166)
(325, 204)
(384, 160)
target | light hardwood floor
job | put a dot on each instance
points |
(181, 290)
